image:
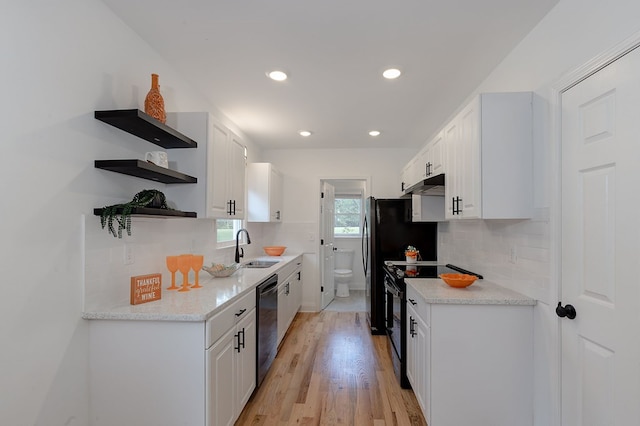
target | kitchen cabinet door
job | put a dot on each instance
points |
(468, 154)
(264, 187)
(283, 303)
(297, 289)
(221, 384)
(246, 360)
(219, 164)
(452, 182)
(488, 158)
(236, 175)
(434, 164)
(418, 356)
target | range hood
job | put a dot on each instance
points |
(433, 185)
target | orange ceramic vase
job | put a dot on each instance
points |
(154, 103)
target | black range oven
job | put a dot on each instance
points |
(396, 308)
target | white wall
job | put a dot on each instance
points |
(573, 33)
(60, 62)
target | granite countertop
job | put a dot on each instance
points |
(196, 304)
(481, 292)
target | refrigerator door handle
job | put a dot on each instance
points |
(365, 245)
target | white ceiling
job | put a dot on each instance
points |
(334, 52)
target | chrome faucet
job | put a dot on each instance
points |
(239, 250)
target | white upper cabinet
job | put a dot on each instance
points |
(219, 164)
(427, 163)
(489, 158)
(433, 157)
(265, 189)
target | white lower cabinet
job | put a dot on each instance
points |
(168, 373)
(418, 358)
(471, 364)
(231, 371)
(289, 296)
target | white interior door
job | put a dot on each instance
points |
(600, 247)
(327, 206)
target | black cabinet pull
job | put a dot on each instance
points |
(242, 337)
(567, 311)
(237, 347)
(412, 329)
(413, 302)
(402, 186)
(455, 205)
(242, 311)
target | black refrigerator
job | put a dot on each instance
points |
(387, 230)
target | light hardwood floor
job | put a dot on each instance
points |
(330, 370)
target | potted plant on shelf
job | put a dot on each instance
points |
(121, 213)
(411, 254)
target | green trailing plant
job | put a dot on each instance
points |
(121, 213)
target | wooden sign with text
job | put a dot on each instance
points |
(146, 288)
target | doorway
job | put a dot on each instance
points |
(342, 203)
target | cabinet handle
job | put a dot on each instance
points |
(402, 184)
(278, 215)
(286, 289)
(455, 203)
(299, 275)
(242, 338)
(242, 311)
(234, 207)
(413, 302)
(237, 347)
(229, 209)
(427, 171)
(411, 329)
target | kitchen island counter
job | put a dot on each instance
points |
(196, 304)
(481, 292)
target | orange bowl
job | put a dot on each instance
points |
(274, 250)
(458, 280)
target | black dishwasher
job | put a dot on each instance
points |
(267, 331)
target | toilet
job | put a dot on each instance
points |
(343, 271)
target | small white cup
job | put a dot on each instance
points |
(159, 158)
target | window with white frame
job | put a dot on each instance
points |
(348, 215)
(226, 230)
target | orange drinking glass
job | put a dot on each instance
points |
(196, 264)
(172, 266)
(184, 266)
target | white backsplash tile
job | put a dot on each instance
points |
(484, 246)
(107, 278)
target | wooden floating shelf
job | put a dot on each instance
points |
(145, 170)
(146, 127)
(146, 211)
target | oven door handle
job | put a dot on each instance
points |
(393, 289)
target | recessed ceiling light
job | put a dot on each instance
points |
(391, 73)
(277, 75)
(305, 133)
(374, 133)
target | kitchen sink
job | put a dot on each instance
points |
(260, 263)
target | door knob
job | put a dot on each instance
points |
(566, 311)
